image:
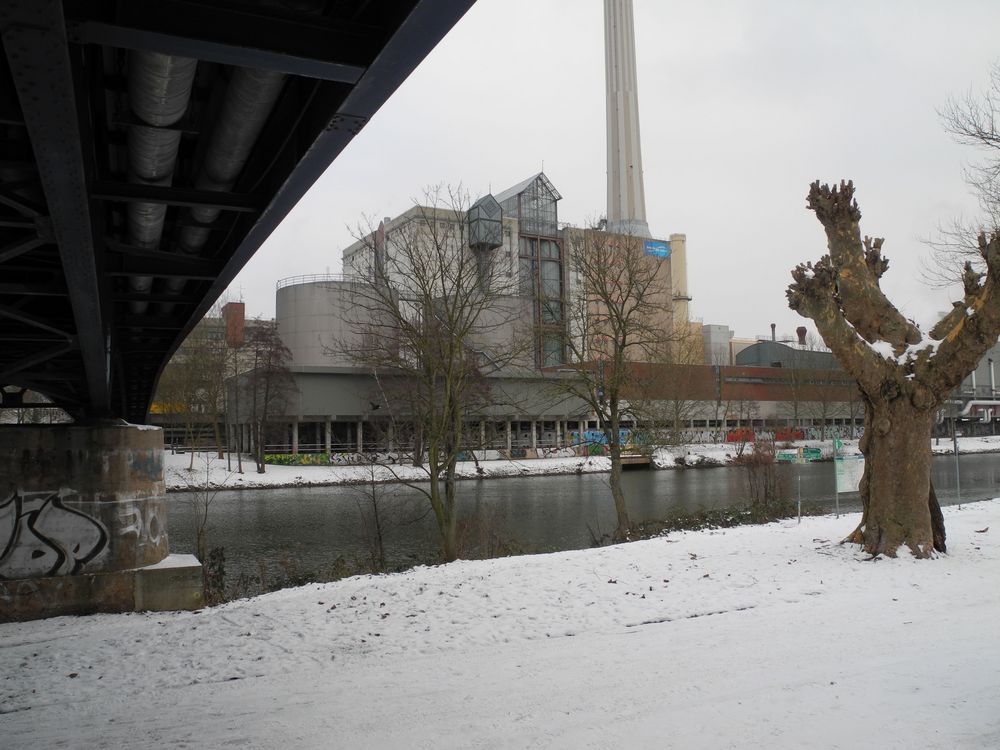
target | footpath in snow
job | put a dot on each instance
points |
(752, 637)
(214, 471)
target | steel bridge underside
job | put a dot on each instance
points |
(148, 148)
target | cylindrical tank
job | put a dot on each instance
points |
(312, 314)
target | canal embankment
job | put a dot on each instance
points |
(207, 470)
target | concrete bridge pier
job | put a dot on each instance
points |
(83, 523)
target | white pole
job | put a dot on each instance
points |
(836, 484)
(958, 473)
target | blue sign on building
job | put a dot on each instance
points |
(658, 248)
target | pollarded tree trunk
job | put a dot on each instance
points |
(903, 374)
(899, 479)
(881, 459)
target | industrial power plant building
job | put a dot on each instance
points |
(517, 234)
(342, 404)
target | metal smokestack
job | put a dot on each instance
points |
(773, 336)
(801, 332)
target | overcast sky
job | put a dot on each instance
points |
(742, 104)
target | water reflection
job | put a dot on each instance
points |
(314, 526)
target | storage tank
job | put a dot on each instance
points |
(314, 315)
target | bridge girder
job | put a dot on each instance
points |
(90, 308)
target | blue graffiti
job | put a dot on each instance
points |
(625, 437)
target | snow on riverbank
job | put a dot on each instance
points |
(764, 636)
(207, 467)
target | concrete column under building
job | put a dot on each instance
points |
(295, 437)
(510, 440)
(361, 436)
(482, 435)
(534, 435)
(327, 436)
(83, 523)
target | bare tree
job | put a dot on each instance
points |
(190, 389)
(815, 386)
(903, 375)
(619, 313)
(669, 399)
(743, 412)
(381, 510)
(973, 120)
(433, 319)
(267, 384)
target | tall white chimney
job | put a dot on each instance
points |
(626, 197)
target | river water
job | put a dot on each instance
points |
(306, 529)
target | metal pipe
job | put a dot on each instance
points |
(250, 98)
(159, 91)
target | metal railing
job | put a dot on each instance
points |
(317, 278)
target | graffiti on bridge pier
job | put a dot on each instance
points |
(41, 536)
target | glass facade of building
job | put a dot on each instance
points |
(540, 265)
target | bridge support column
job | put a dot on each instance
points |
(83, 524)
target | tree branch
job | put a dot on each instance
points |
(812, 294)
(864, 305)
(972, 326)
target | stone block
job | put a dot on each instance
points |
(173, 583)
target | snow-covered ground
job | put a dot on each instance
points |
(753, 637)
(700, 454)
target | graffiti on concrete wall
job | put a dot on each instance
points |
(140, 525)
(41, 536)
(147, 464)
(556, 453)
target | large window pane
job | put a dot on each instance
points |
(551, 311)
(526, 276)
(551, 279)
(552, 352)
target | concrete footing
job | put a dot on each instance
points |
(173, 583)
(83, 523)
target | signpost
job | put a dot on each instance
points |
(848, 471)
(958, 471)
